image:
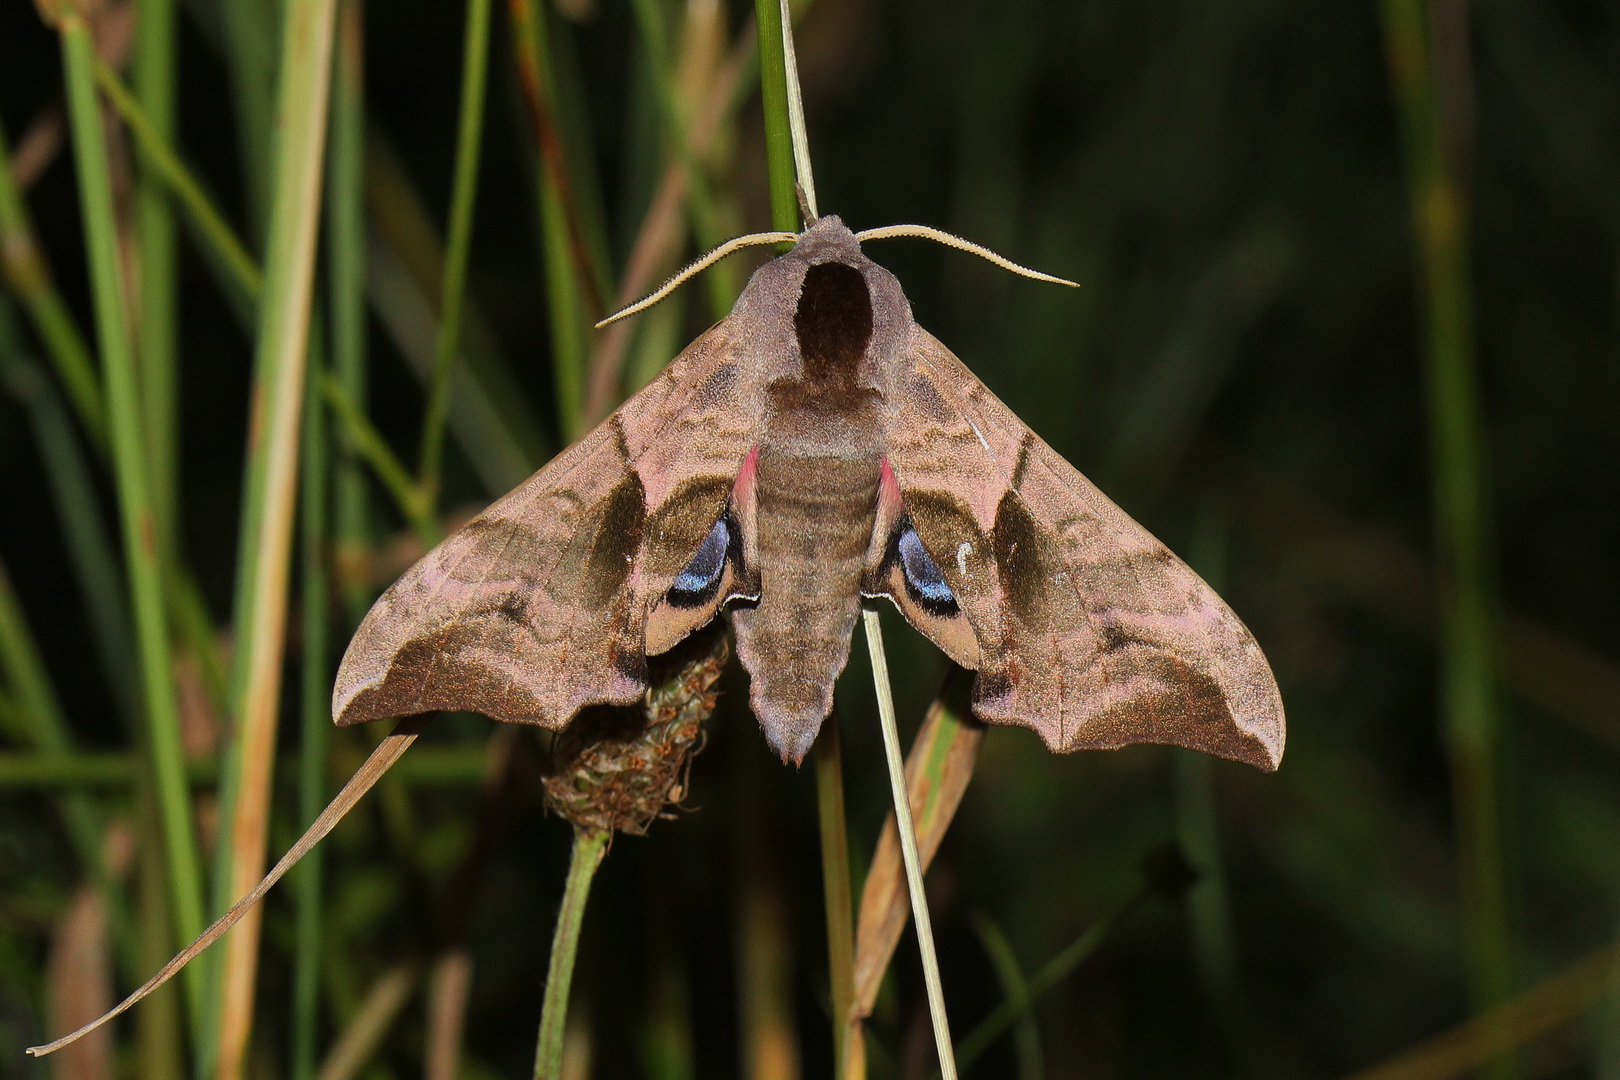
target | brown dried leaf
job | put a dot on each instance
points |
(938, 769)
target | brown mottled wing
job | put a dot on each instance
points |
(540, 605)
(1089, 630)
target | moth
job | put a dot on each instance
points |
(815, 450)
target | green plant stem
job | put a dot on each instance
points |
(43, 724)
(141, 552)
(159, 1027)
(367, 443)
(314, 736)
(908, 844)
(699, 194)
(1013, 985)
(346, 277)
(281, 354)
(156, 144)
(1427, 45)
(250, 39)
(1050, 974)
(573, 293)
(28, 275)
(79, 509)
(500, 436)
(836, 889)
(589, 847)
(773, 92)
(157, 308)
(463, 195)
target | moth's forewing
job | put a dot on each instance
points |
(540, 605)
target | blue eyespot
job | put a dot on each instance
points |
(698, 580)
(923, 579)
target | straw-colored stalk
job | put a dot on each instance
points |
(263, 570)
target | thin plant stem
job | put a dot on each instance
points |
(159, 1029)
(789, 158)
(143, 559)
(157, 149)
(26, 271)
(44, 725)
(367, 442)
(157, 312)
(1013, 985)
(250, 39)
(589, 847)
(908, 844)
(340, 487)
(463, 196)
(346, 282)
(263, 568)
(574, 295)
(500, 436)
(778, 125)
(835, 884)
(1050, 974)
(1427, 46)
(314, 735)
(79, 509)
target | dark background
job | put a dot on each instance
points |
(1243, 370)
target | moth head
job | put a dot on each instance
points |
(827, 239)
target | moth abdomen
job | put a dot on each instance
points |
(814, 516)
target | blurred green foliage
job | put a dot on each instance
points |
(1243, 370)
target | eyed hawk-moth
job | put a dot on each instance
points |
(813, 450)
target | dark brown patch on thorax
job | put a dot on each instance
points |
(833, 322)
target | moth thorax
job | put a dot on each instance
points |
(833, 322)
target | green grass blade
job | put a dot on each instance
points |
(78, 508)
(574, 293)
(1027, 1033)
(500, 434)
(157, 148)
(30, 278)
(316, 705)
(778, 125)
(464, 191)
(143, 559)
(1049, 975)
(368, 444)
(1427, 46)
(250, 38)
(158, 308)
(836, 889)
(346, 277)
